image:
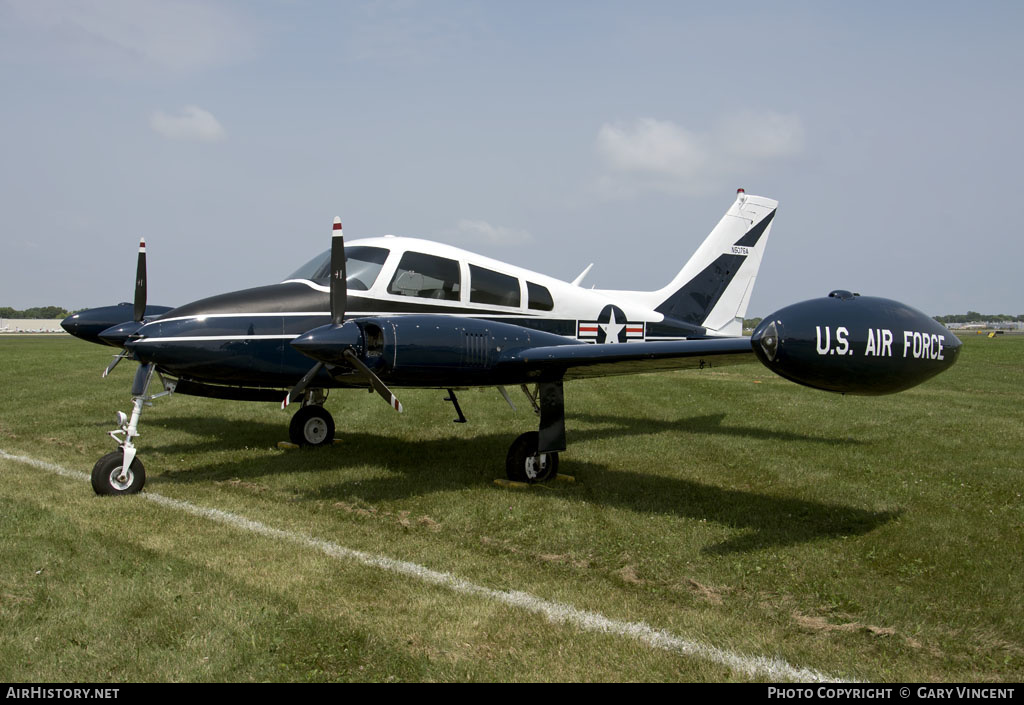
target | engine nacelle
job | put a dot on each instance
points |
(422, 350)
(854, 344)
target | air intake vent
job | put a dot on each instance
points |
(476, 350)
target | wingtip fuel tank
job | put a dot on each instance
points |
(854, 344)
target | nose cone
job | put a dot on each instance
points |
(89, 325)
(117, 336)
(328, 343)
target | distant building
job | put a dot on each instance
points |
(30, 325)
(987, 325)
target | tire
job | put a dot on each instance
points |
(524, 464)
(108, 479)
(311, 426)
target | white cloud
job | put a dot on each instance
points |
(480, 232)
(191, 123)
(651, 146)
(660, 155)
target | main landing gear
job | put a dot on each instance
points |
(312, 425)
(533, 457)
(525, 462)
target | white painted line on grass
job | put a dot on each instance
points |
(753, 666)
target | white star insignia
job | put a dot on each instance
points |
(612, 329)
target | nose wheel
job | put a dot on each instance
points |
(111, 477)
(121, 472)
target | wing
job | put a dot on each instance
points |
(438, 351)
(602, 360)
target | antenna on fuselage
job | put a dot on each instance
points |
(579, 280)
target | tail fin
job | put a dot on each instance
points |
(713, 289)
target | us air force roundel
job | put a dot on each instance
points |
(611, 326)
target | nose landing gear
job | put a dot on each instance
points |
(121, 472)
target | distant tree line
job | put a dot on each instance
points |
(974, 317)
(36, 312)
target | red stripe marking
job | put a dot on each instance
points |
(337, 226)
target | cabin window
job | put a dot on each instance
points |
(489, 287)
(540, 297)
(362, 265)
(426, 276)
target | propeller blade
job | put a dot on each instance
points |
(113, 364)
(140, 283)
(339, 302)
(297, 391)
(378, 385)
(339, 283)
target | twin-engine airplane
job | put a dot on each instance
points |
(392, 312)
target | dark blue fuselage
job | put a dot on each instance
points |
(245, 339)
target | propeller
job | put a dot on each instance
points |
(140, 283)
(381, 388)
(339, 302)
(119, 334)
(299, 389)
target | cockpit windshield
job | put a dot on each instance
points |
(362, 266)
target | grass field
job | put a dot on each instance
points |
(864, 538)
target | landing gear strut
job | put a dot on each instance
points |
(533, 457)
(121, 472)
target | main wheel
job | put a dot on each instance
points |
(524, 464)
(311, 426)
(110, 477)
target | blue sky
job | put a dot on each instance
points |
(548, 134)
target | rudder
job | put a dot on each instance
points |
(713, 288)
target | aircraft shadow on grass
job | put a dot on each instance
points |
(712, 424)
(453, 463)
